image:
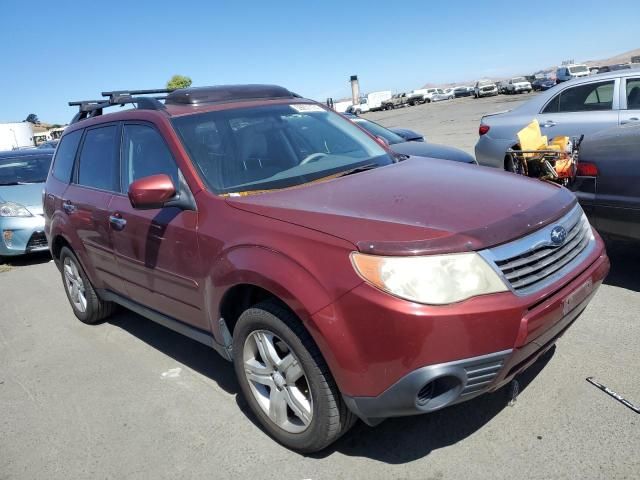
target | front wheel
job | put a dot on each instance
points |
(285, 380)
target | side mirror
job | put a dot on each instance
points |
(151, 192)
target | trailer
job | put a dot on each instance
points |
(16, 135)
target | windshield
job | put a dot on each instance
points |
(578, 69)
(518, 80)
(380, 131)
(24, 169)
(274, 146)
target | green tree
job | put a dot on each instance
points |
(178, 81)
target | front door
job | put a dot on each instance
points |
(156, 250)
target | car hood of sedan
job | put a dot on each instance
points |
(417, 207)
(28, 195)
(433, 150)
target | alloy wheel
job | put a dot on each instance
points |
(74, 285)
(277, 381)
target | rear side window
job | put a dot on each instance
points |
(633, 93)
(65, 155)
(98, 159)
(145, 153)
(583, 98)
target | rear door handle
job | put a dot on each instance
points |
(117, 222)
(630, 120)
(548, 123)
(68, 207)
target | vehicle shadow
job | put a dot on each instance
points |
(402, 440)
(395, 441)
(625, 261)
(26, 260)
(190, 353)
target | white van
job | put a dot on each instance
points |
(569, 72)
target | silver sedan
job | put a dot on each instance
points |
(577, 107)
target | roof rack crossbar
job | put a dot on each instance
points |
(94, 108)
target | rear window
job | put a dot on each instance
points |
(65, 155)
(16, 170)
(578, 69)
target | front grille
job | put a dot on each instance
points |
(38, 241)
(481, 373)
(531, 263)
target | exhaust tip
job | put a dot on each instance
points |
(439, 392)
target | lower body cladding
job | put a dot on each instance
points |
(480, 358)
(22, 235)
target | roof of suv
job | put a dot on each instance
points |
(183, 101)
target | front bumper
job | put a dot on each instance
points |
(424, 358)
(20, 235)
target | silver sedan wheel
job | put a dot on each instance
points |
(277, 380)
(74, 285)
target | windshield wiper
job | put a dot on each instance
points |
(361, 168)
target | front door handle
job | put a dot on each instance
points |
(68, 207)
(117, 222)
(630, 120)
(548, 123)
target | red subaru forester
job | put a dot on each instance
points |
(341, 280)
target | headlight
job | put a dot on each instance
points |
(10, 209)
(432, 279)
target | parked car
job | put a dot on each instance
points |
(608, 181)
(462, 92)
(397, 100)
(441, 95)
(22, 177)
(49, 144)
(341, 283)
(569, 72)
(428, 94)
(613, 68)
(400, 145)
(485, 88)
(518, 85)
(502, 87)
(407, 134)
(579, 107)
(542, 84)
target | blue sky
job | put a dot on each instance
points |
(55, 51)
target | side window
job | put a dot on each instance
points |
(65, 155)
(145, 153)
(98, 160)
(552, 106)
(633, 93)
(587, 98)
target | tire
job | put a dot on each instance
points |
(326, 415)
(92, 310)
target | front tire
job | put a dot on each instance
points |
(285, 380)
(84, 300)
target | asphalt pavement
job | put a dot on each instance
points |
(131, 399)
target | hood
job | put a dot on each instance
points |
(29, 195)
(407, 134)
(425, 149)
(417, 207)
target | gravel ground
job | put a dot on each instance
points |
(130, 399)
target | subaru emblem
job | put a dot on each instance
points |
(558, 235)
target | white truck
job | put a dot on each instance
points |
(16, 135)
(370, 102)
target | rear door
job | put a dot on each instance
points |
(156, 250)
(581, 109)
(630, 100)
(86, 202)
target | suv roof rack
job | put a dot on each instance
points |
(183, 96)
(94, 108)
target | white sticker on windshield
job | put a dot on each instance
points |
(306, 107)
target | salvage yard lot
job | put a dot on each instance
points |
(130, 399)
